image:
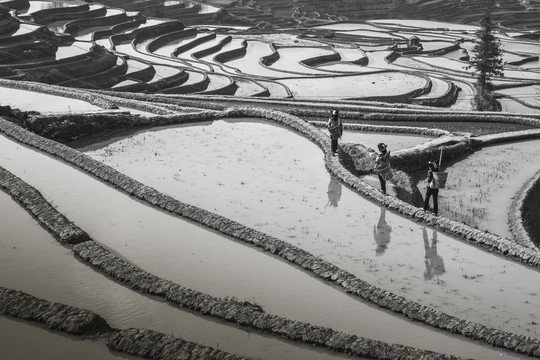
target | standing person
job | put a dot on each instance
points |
(382, 162)
(432, 188)
(335, 127)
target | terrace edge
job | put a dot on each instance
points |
(319, 267)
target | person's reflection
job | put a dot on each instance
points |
(381, 233)
(334, 191)
(434, 262)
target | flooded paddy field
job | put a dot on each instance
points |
(272, 180)
(41, 102)
(222, 275)
(32, 261)
(468, 127)
(48, 345)
(283, 175)
(485, 183)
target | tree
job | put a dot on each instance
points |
(486, 61)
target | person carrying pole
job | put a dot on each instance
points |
(382, 166)
(432, 188)
(335, 128)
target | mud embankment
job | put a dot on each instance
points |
(525, 212)
(243, 313)
(251, 315)
(80, 322)
(54, 316)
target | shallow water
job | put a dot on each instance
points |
(250, 63)
(527, 94)
(33, 262)
(511, 105)
(347, 87)
(275, 181)
(481, 187)
(151, 239)
(427, 24)
(15, 335)
(41, 102)
(290, 59)
(371, 139)
(168, 48)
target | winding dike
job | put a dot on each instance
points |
(141, 342)
(145, 342)
(54, 316)
(524, 212)
(251, 315)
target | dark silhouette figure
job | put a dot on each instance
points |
(383, 162)
(432, 189)
(334, 191)
(381, 233)
(433, 261)
(335, 128)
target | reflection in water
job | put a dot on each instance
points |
(334, 191)
(381, 233)
(434, 262)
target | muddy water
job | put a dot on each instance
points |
(32, 261)
(250, 63)
(483, 184)
(371, 139)
(346, 87)
(275, 181)
(510, 105)
(209, 262)
(15, 336)
(35, 101)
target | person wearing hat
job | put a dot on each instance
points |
(382, 161)
(432, 188)
(335, 128)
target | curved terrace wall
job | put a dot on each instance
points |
(59, 91)
(240, 312)
(350, 110)
(212, 49)
(524, 212)
(167, 38)
(228, 89)
(103, 79)
(226, 56)
(387, 128)
(530, 212)
(9, 25)
(132, 23)
(81, 322)
(16, 4)
(51, 63)
(318, 60)
(382, 111)
(271, 58)
(76, 11)
(53, 315)
(201, 40)
(27, 51)
(405, 97)
(189, 88)
(39, 33)
(73, 27)
(153, 31)
(97, 60)
(447, 99)
(306, 261)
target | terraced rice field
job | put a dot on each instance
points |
(227, 123)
